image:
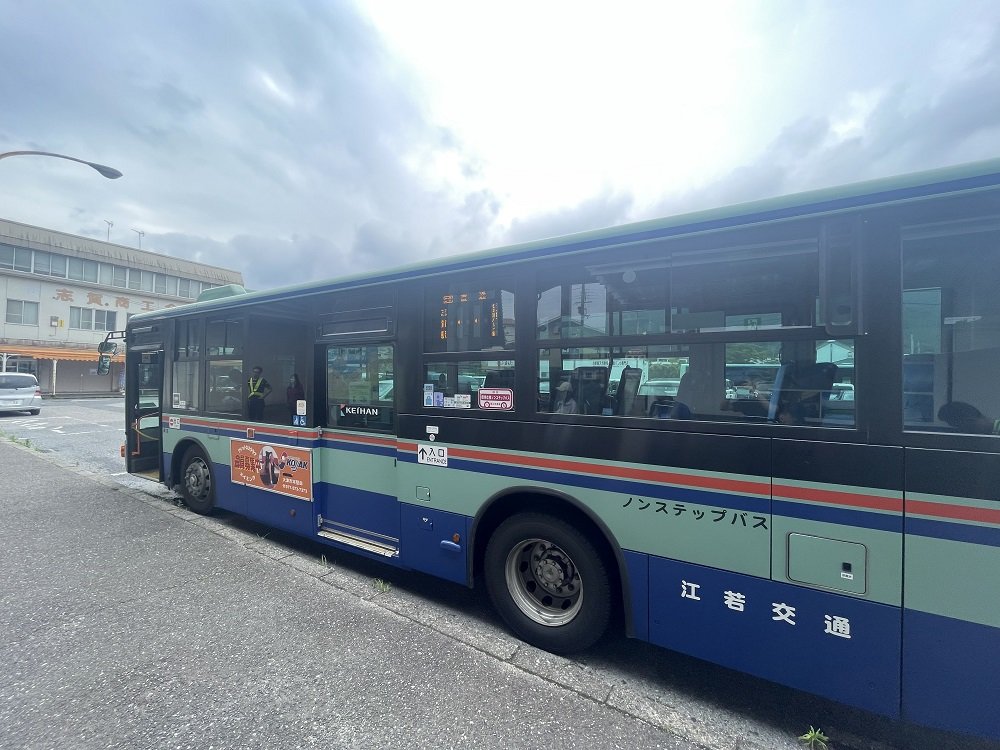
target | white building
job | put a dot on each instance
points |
(61, 293)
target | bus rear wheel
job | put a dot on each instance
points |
(548, 582)
(197, 482)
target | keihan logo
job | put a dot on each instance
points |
(346, 410)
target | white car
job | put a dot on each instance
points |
(19, 391)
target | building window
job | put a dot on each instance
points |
(104, 320)
(81, 318)
(22, 259)
(85, 319)
(160, 283)
(119, 277)
(43, 263)
(134, 278)
(105, 274)
(184, 288)
(83, 270)
(58, 265)
(17, 258)
(22, 312)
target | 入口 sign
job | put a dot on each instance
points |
(432, 455)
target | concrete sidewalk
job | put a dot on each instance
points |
(129, 622)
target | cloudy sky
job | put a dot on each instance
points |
(300, 140)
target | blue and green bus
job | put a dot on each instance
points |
(483, 418)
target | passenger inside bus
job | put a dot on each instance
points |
(565, 403)
(967, 418)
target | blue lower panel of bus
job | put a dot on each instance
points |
(278, 510)
(637, 567)
(358, 509)
(951, 673)
(836, 646)
(435, 542)
(228, 496)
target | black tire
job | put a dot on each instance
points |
(34, 412)
(198, 481)
(548, 582)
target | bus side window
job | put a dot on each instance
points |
(951, 327)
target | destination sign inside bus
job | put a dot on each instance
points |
(474, 318)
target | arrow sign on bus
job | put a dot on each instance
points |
(433, 455)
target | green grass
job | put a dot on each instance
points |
(814, 739)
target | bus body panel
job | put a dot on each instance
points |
(358, 494)
(841, 499)
(950, 669)
(951, 623)
(795, 635)
(435, 542)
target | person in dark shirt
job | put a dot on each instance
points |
(293, 394)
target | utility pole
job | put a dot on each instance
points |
(110, 224)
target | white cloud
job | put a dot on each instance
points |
(299, 139)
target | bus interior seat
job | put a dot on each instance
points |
(591, 387)
(800, 392)
(628, 389)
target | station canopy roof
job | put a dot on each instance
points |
(54, 352)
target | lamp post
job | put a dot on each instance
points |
(110, 172)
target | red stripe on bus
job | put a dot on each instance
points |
(367, 439)
(836, 497)
(961, 512)
(646, 475)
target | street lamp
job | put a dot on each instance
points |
(110, 172)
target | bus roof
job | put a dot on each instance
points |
(900, 189)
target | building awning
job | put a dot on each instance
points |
(54, 352)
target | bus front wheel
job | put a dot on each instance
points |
(548, 582)
(197, 482)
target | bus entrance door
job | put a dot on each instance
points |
(143, 396)
(359, 507)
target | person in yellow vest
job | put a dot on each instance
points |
(257, 390)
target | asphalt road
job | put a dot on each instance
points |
(128, 621)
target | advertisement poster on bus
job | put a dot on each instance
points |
(276, 468)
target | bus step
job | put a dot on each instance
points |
(355, 541)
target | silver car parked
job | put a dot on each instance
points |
(19, 391)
